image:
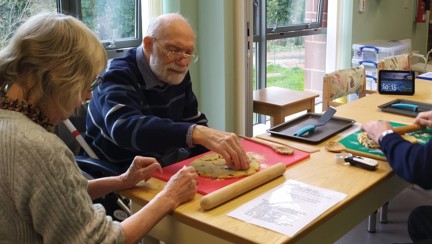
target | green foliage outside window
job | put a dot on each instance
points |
(114, 19)
(285, 12)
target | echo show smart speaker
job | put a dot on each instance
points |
(396, 82)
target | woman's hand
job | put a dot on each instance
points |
(141, 168)
(181, 187)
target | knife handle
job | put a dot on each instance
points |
(362, 162)
(405, 106)
(304, 130)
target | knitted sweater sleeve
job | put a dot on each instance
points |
(412, 162)
(50, 194)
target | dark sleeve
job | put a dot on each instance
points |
(412, 162)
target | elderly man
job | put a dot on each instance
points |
(146, 106)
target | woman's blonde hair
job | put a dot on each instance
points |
(61, 55)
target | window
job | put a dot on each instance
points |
(289, 44)
(12, 13)
(116, 22)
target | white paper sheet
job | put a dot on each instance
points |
(287, 208)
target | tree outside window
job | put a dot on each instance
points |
(117, 23)
(13, 13)
(113, 21)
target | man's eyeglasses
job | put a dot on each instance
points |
(95, 83)
(193, 57)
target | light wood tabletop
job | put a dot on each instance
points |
(366, 191)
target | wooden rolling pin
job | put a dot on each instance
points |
(407, 128)
(229, 192)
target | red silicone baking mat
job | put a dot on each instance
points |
(208, 185)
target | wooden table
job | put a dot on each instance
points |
(280, 102)
(366, 190)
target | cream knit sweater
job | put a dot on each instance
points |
(43, 196)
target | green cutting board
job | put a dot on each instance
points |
(351, 141)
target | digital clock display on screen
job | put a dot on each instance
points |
(396, 82)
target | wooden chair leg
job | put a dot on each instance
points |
(372, 222)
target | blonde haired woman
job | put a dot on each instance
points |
(47, 70)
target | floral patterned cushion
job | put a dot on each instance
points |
(345, 82)
(398, 62)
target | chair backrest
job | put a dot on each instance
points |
(341, 83)
(419, 62)
(397, 62)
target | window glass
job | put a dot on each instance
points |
(289, 45)
(12, 13)
(114, 21)
(281, 13)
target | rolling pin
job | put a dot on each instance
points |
(229, 192)
(407, 128)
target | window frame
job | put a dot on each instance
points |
(262, 34)
(73, 7)
(260, 37)
(281, 32)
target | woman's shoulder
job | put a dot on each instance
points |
(29, 134)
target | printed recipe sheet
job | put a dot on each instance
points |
(288, 208)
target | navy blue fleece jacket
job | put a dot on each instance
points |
(132, 113)
(412, 162)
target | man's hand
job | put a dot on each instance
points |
(376, 128)
(225, 143)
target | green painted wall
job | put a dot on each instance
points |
(213, 74)
(389, 20)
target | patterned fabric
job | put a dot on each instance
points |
(25, 108)
(398, 62)
(347, 81)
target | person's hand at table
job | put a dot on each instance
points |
(141, 168)
(181, 187)
(225, 143)
(376, 128)
(424, 119)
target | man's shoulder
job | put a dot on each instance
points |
(125, 60)
(124, 66)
